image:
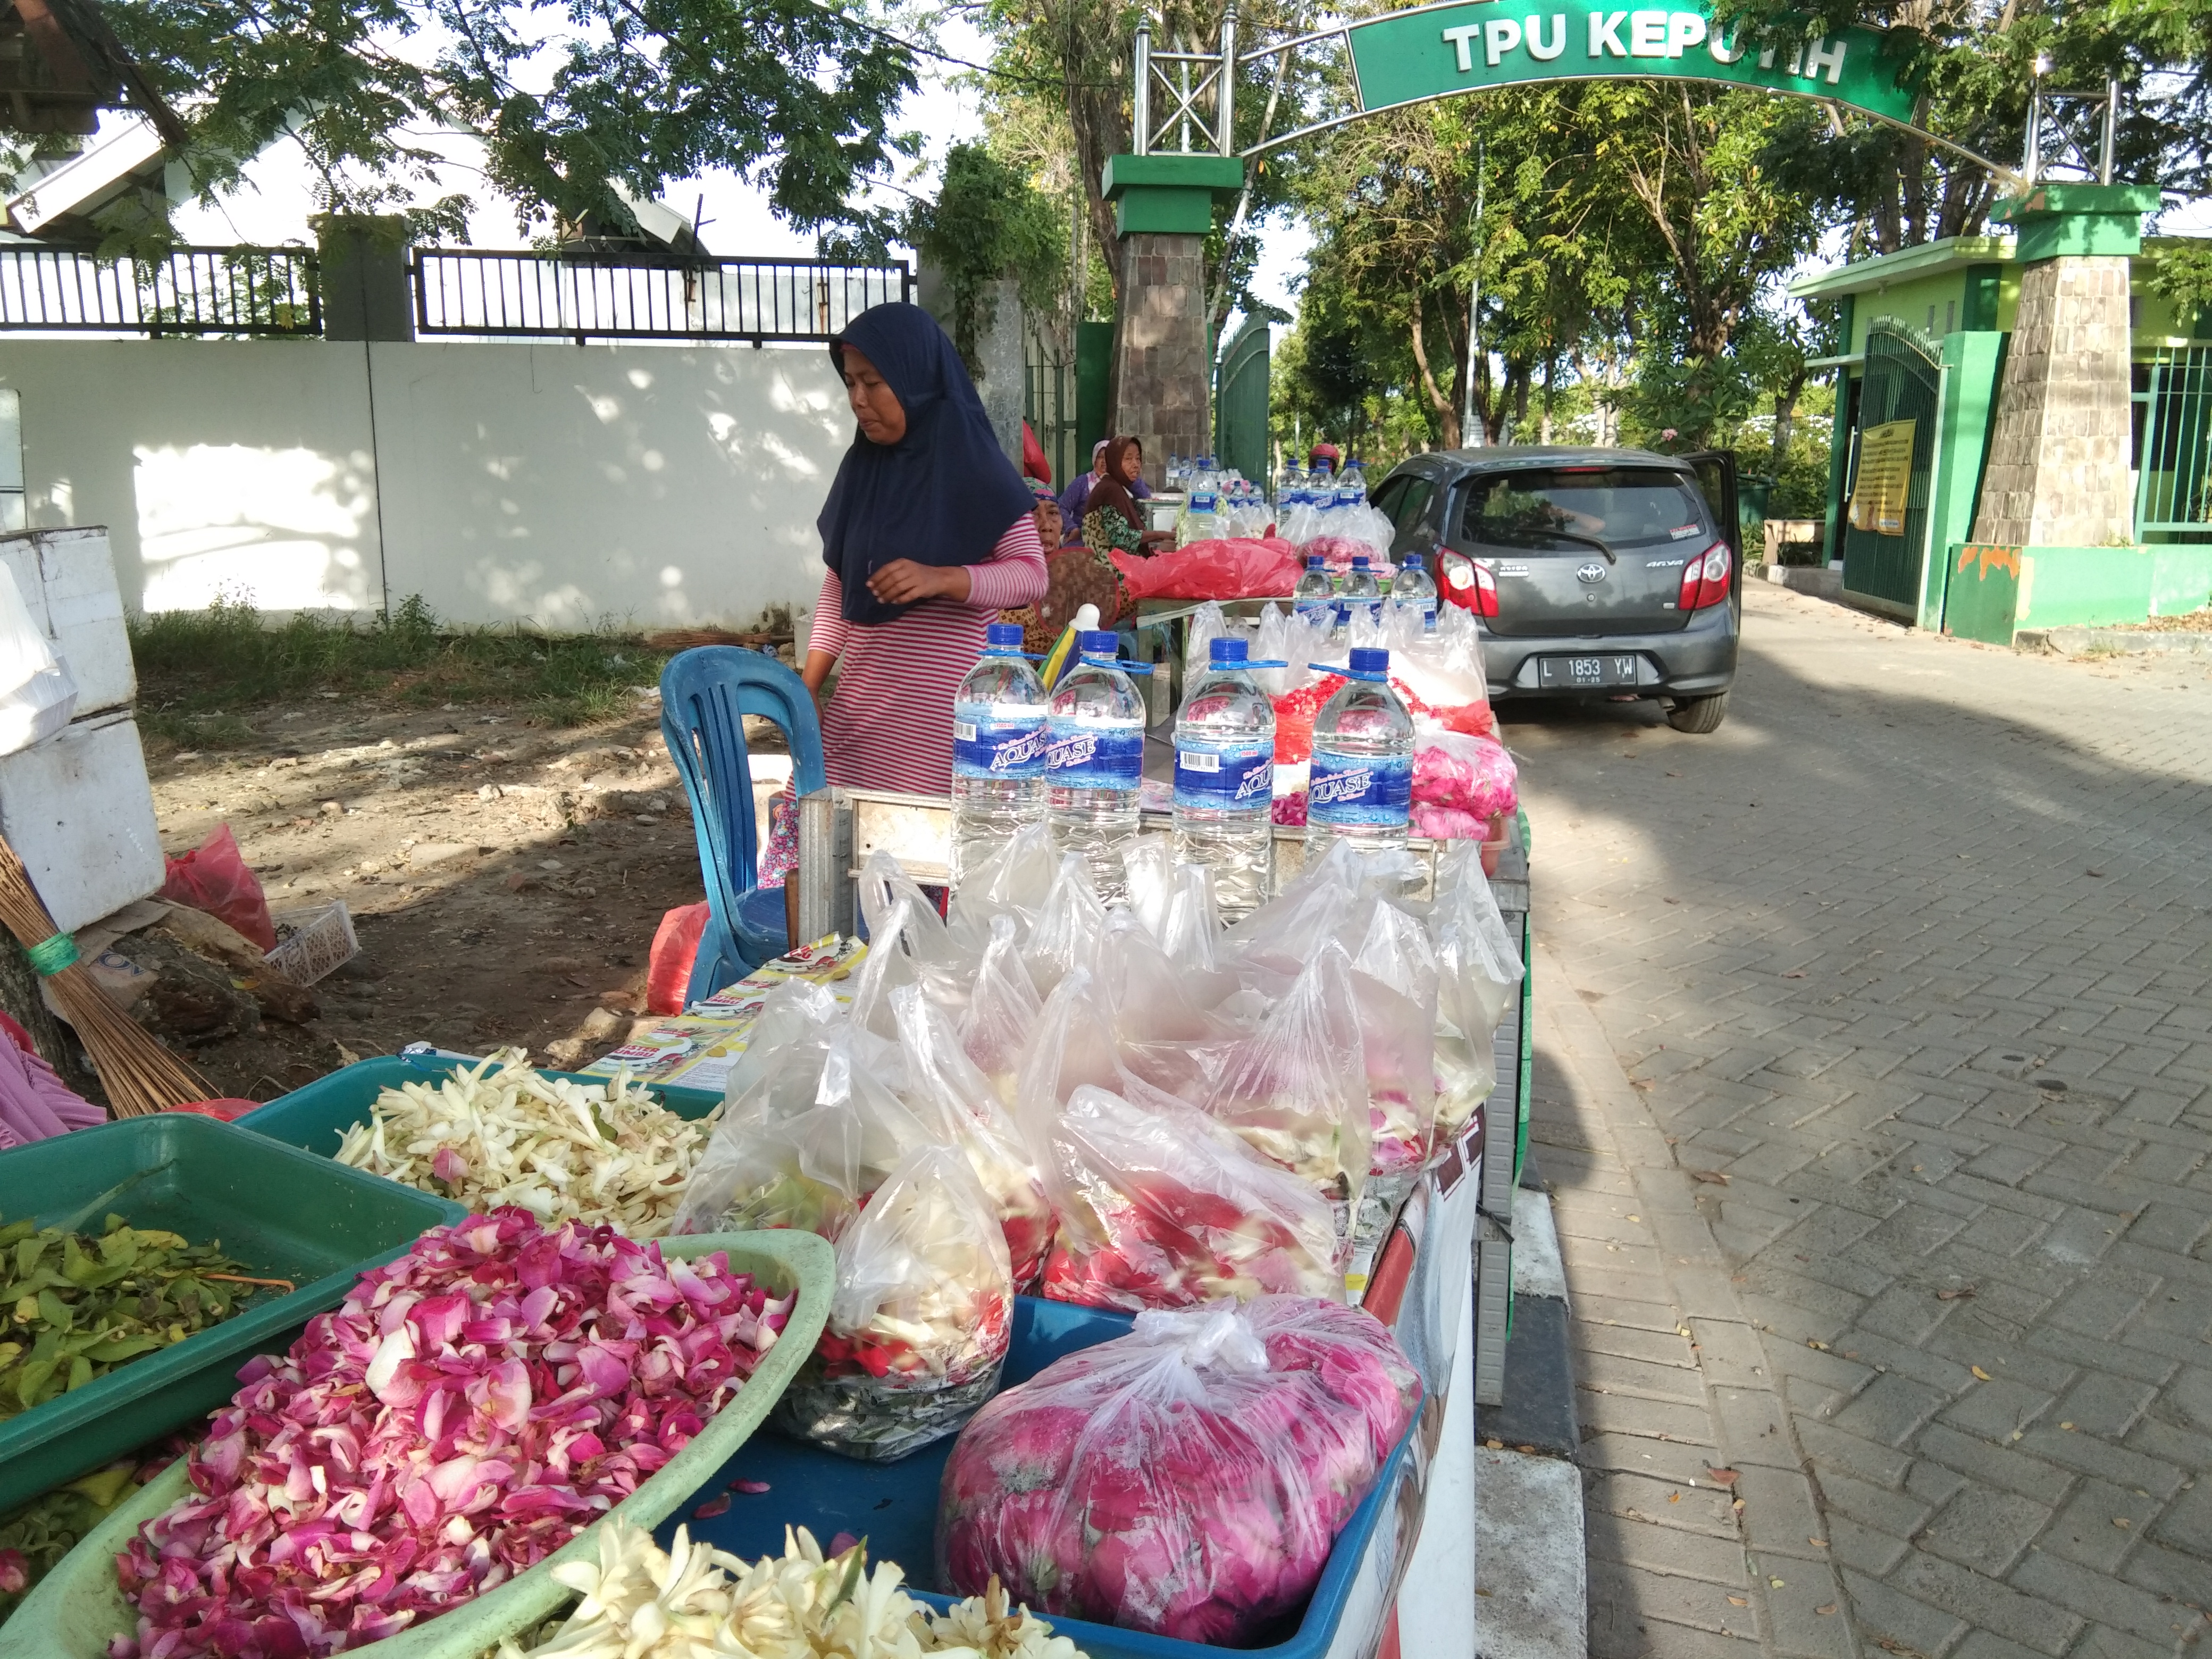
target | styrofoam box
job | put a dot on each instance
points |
(67, 579)
(80, 811)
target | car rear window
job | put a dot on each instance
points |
(1558, 511)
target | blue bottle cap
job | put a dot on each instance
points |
(1315, 562)
(1224, 650)
(1099, 642)
(1360, 562)
(1003, 634)
(1369, 660)
(1410, 562)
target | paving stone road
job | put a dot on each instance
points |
(1875, 1091)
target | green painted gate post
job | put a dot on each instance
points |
(1839, 444)
(1963, 409)
(1094, 386)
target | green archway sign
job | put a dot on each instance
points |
(1434, 51)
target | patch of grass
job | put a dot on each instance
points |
(197, 668)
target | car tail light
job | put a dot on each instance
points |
(1467, 584)
(1705, 578)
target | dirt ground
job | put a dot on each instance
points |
(504, 879)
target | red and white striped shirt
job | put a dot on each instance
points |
(888, 723)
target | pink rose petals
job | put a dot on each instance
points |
(465, 1413)
(1187, 1479)
(718, 1505)
(751, 1488)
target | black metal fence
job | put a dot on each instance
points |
(187, 291)
(635, 297)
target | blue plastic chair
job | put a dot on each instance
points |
(704, 695)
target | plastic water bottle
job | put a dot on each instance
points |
(1316, 589)
(1225, 779)
(1362, 786)
(1361, 591)
(997, 750)
(1414, 586)
(1201, 514)
(1094, 759)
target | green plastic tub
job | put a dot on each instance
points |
(77, 1608)
(282, 1214)
(316, 1117)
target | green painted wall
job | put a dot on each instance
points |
(1954, 481)
(1993, 592)
(1982, 590)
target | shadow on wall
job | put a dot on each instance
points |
(286, 526)
(563, 488)
(650, 486)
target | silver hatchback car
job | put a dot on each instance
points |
(1615, 571)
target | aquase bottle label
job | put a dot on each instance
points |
(1223, 776)
(1350, 789)
(987, 746)
(1079, 757)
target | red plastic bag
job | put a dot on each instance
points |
(1247, 568)
(213, 877)
(675, 949)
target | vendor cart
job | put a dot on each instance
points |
(1442, 1278)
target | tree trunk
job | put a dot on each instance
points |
(1446, 409)
(1785, 419)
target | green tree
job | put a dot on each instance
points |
(988, 222)
(795, 94)
(1973, 65)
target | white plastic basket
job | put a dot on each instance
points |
(312, 942)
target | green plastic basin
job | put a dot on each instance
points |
(316, 1117)
(77, 1608)
(284, 1214)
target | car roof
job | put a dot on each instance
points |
(1511, 457)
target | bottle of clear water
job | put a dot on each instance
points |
(1225, 779)
(1361, 591)
(1094, 760)
(1362, 786)
(1316, 589)
(1201, 514)
(1173, 475)
(1414, 586)
(997, 750)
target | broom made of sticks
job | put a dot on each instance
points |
(139, 1074)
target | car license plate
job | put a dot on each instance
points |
(1564, 671)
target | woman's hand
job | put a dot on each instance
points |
(1158, 537)
(904, 582)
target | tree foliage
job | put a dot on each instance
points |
(569, 99)
(988, 222)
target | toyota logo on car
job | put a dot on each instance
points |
(1591, 573)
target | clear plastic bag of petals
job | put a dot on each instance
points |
(918, 1323)
(973, 1117)
(1002, 1011)
(1066, 936)
(1190, 932)
(1394, 982)
(1188, 1480)
(816, 1130)
(1010, 884)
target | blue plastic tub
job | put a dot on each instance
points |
(315, 1118)
(894, 1505)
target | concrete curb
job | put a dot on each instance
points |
(1822, 581)
(2071, 642)
(1743, 1419)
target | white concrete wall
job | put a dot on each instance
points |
(629, 485)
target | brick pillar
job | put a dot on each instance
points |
(1161, 370)
(1163, 375)
(2057, 469)
(2057, 472)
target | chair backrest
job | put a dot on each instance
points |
(705, 694)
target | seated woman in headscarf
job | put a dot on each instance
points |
(1112, 520)
(1077, 495)
(1076, 575)
(928, 533)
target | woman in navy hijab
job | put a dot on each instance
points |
(927, 535)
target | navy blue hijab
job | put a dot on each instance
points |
(943, 493)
